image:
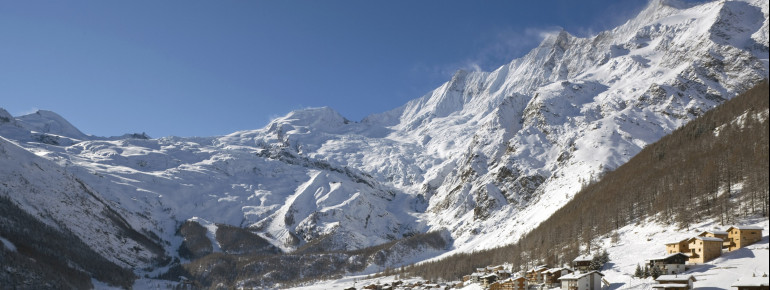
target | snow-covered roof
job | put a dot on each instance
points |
(709, 239)
(743, 228)
(675, 278)
(577, 275)
(554, 270)
(489, 276)
(583, 258)
(666, 256)
(752, 282)
(671, 243)
(673, 285)
(715, 232)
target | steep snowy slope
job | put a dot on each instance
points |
(495, 152)
(533, 130)
(486, 156)
(64, 202)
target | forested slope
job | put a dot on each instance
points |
(713, 168)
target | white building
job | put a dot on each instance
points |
(582, 281)
(670, 264)
(675, 281)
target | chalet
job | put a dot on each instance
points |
(488, 279)
(674, 282)
(714, 234)
(551, 276)
(476, 277)
(535, 275)
(678, 247)
(741, 236)
(516, 283)
(519, 283)
(582, 281)
(717, 234)
(704, 249)
(751, 283)
(502, 274)
(669, 264)
(582, 263)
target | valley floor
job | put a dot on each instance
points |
(637, 244)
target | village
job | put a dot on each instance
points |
(668, 270)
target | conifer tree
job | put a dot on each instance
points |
(639, 273)
(655, 272)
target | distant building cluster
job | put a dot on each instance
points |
(706, 246)
(538, 278)
(668, 270)
(709, 245)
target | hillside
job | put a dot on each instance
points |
(670, 187)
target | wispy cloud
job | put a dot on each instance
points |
(492, 51)
(26, 112)
(508, 44)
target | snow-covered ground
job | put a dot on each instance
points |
(636, 245)
(645, 241)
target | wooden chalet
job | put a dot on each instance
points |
(741, 236)
(535, 275)
(717, 234)
(582, 263)
(551, 276)
(678, 247)
(515, 283)
(476, 277)
(674, 282)
(752, 283)
(704, 249)
(503, 274)
(714, 234)
(582, 281)
(669, 264)
(488, 279)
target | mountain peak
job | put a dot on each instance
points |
(315, 115)
(5, 117)
(48, 122)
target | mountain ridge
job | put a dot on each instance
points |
(485, 156)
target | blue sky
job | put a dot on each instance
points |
(205, 68)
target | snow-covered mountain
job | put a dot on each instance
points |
(486, 156)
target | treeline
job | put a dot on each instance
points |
(47, 258)
(713, 168)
